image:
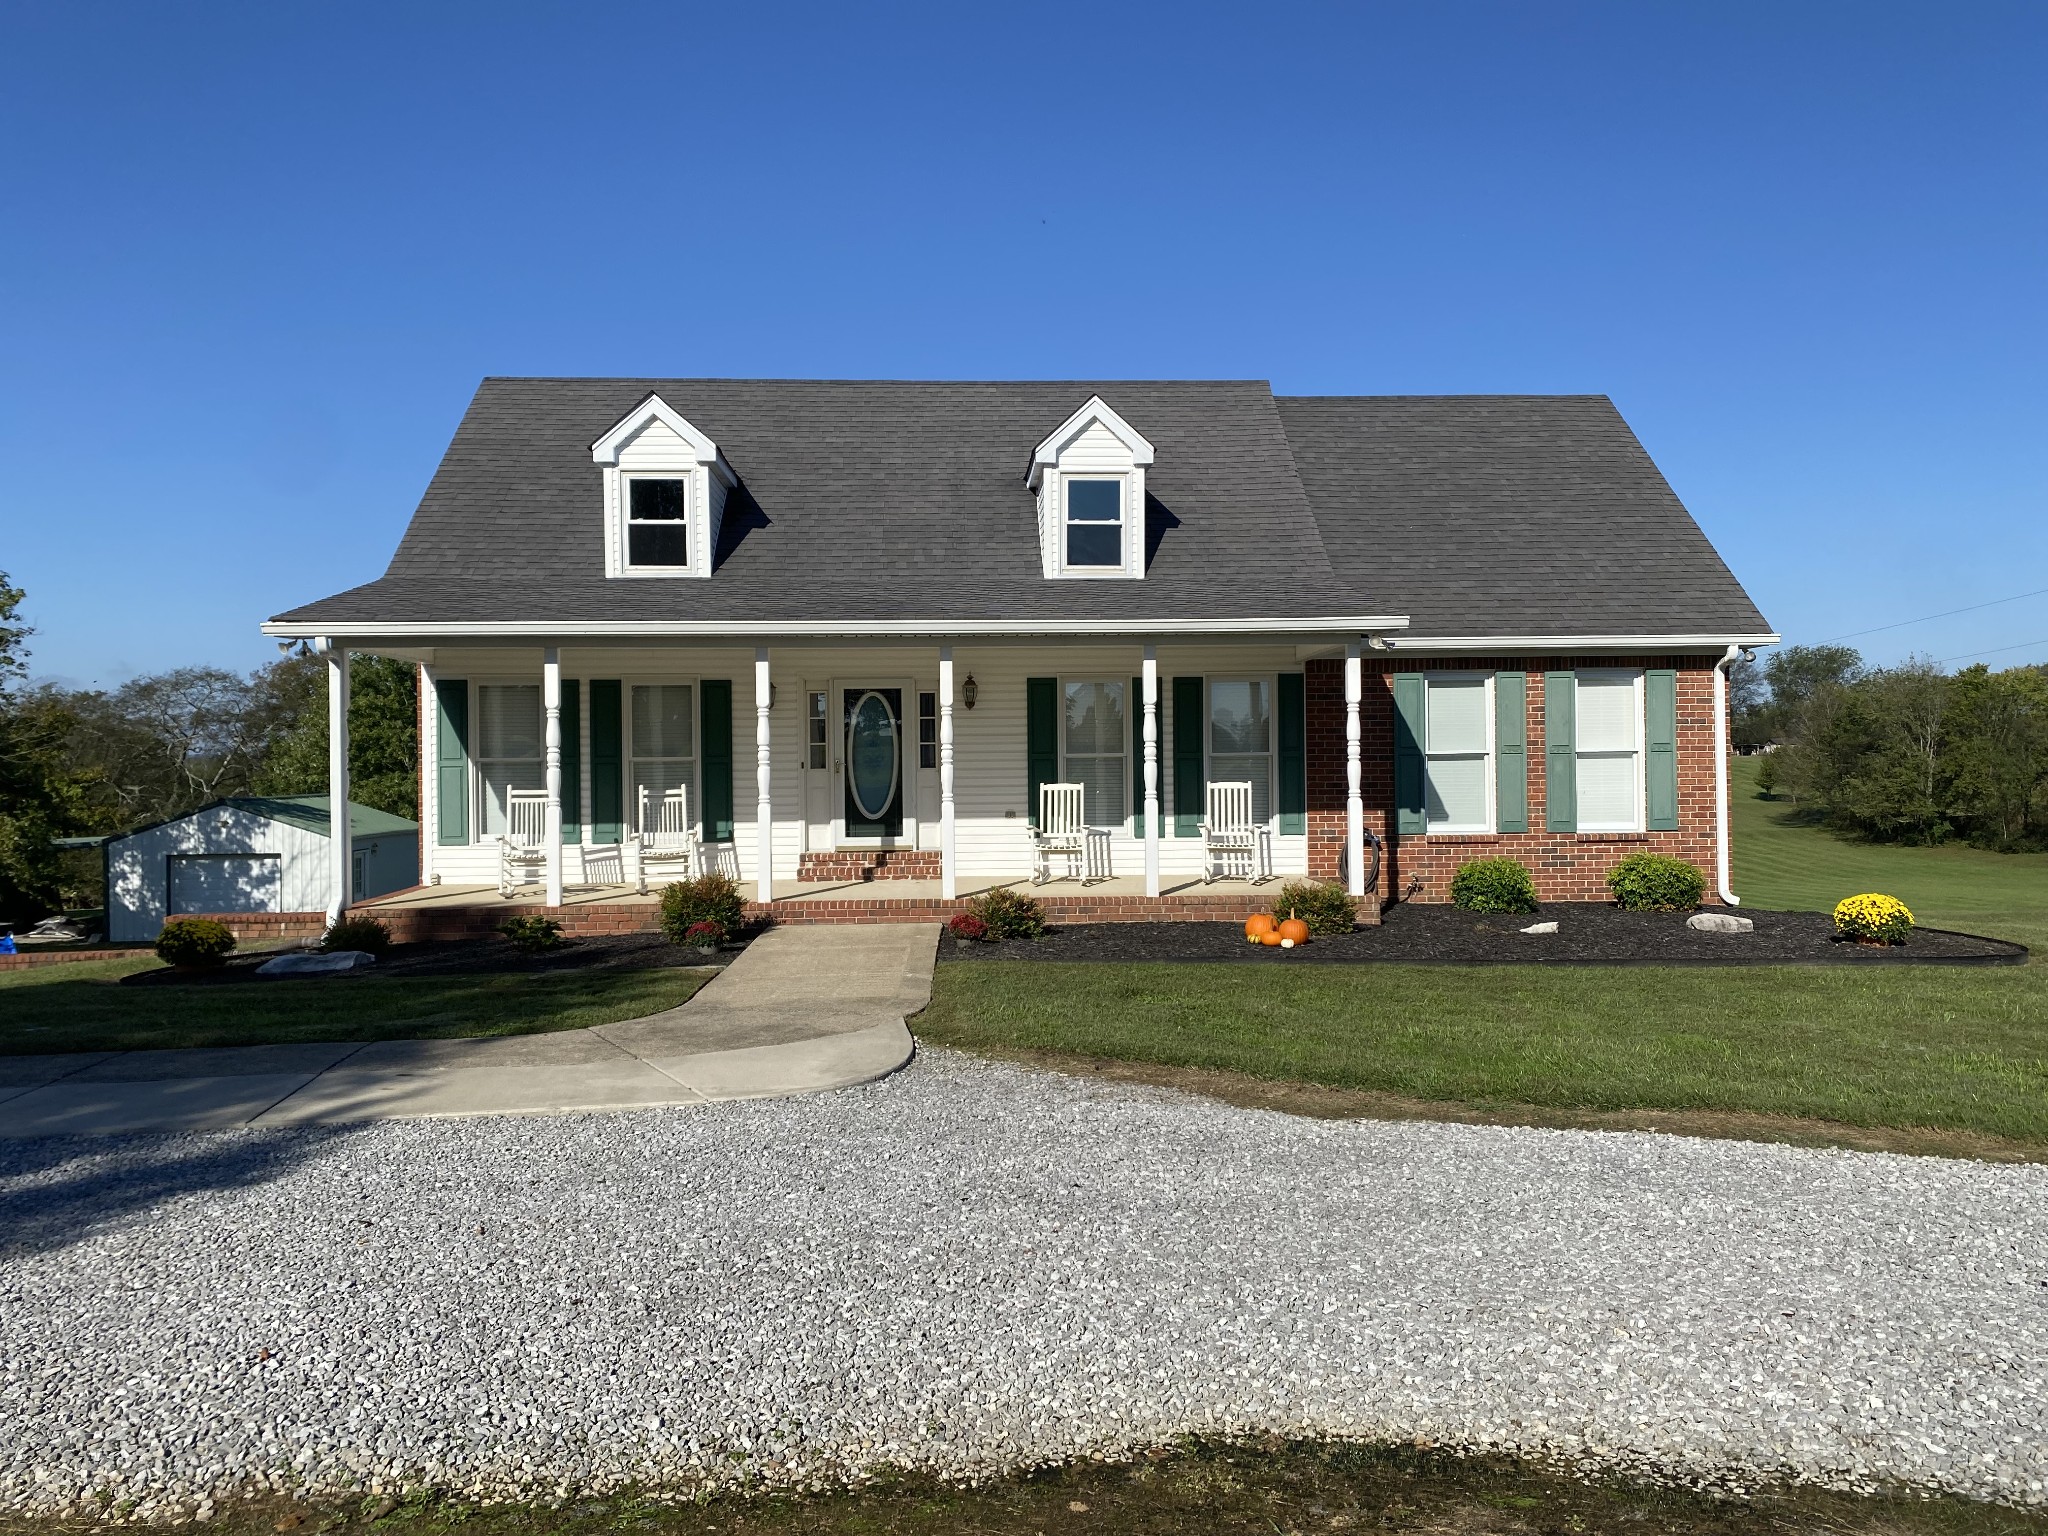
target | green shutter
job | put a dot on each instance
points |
(1041, 739)
(714, 759)
(1511, 751)
(451, 758)
(1293, 702)
(572, 762)
(1411, 717)
(1660, 711)
(1560, 752)
(607, 764)
(1189, 780)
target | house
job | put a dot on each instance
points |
(250, 854)
(862, 623)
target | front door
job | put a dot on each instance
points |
(872, 739)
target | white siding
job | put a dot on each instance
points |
(1095, 450)
(138, 866)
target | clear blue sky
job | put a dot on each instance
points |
(254, 258)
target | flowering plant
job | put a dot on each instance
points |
(965, 925)
(704, 934)
(1873, 919)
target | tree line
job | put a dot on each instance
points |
(1906, 754)
(86, 761)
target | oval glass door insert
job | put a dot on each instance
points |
(871, 756)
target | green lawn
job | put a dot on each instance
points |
(1960, 1050)
(81, 1007)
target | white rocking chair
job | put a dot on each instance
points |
(523, 845)
(1061, 834)
(667, 838)
(1233, 845)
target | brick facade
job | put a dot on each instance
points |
(1567, 866)
(871, 864)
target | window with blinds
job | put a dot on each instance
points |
(1457, 746)
(1241, 738)
(508, 746)
(664, 741)
(1095, 744)
(1608, 712)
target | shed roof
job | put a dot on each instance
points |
(307, 812)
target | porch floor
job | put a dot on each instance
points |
(1120, 889)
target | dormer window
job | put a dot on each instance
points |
(657, 523)
(1095, 524)
(664, 494)
(1090, 479)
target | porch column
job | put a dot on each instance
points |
(949, 878)
(1151, 811)
(1354, 807)
(342, 845)
(551, 709)
(764, 809)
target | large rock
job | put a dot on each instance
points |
(1541, 928)
(310, 963)
(1719, 922)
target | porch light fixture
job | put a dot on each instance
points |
(970, 691)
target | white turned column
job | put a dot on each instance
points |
(1151, 811)
(342, 848)
(764, 809)
(949, 874)
(551, 710)
(1354, 806)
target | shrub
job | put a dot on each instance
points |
(710, 898)
(363, 933)
(194, 941)
(532, 934)
(965, 925)
(1323, 904)
(1655, 882)
(1008, 914)
(1494, 885)
(705, 935)
(1873, 919)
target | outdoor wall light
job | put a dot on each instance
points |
(970, 692)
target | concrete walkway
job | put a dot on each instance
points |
(801, 1010)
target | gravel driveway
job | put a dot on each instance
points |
(971, 1267)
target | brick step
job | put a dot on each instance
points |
(871, 864)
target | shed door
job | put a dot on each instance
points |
(226, 882)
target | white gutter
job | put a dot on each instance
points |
(727, 629)
(1426, 643)
(1721, 848)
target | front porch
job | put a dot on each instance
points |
(475, 911)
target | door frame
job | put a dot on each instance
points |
(836, 690)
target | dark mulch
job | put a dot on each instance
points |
(466, 957)
(1588, 934)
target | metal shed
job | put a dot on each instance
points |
(250, 853)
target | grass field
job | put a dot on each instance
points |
(1778, 1049)
(83, 1008)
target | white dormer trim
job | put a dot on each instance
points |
(1047, 454)
(654, 442)
(1094, 443)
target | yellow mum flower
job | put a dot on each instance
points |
(1873, 918)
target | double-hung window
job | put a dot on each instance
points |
(657, 523)
(1094, 524)
(664, 738)
(1458, 754)
(1241, 738)
(1608, 722)
(1095, 736)
(508, 747)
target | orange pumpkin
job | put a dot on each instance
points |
(1256, 926)
(1294, 930)
(1270, 938)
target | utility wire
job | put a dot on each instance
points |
(1995, 602)
(2000, 651)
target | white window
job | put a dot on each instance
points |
(1093, 538)
(1458, 754)
(927, 730)
(664, 739)
(1241, 738)
(814, 732)
(1095, 739)
(657, 523)
(508, 747)
(1608, 723)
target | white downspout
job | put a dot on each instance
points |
(1721, 848)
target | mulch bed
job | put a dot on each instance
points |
(1588, 934)
(468, 957)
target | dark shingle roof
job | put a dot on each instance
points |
(1508, 515)
(881, 501)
